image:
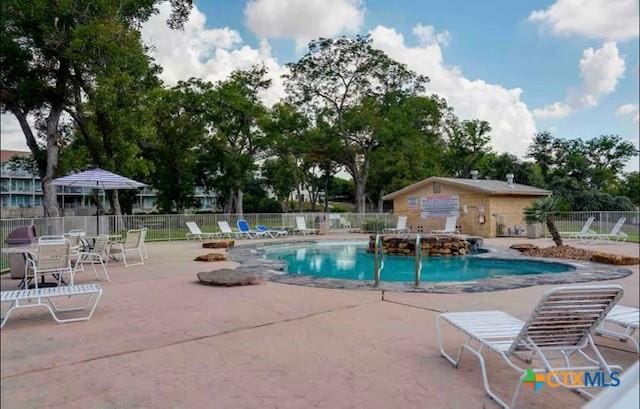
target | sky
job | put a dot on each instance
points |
(570, 67)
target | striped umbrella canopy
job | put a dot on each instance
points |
(97, 178)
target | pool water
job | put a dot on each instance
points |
(350, 261)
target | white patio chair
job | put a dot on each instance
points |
(401, 226)
(561, 324)
(97, 255)
(586, 229)
(195, 232)
(449, 226)
(301, 226)
(43, 297)
(345, 224)
(53, 258)
(225, 229)
(625, 317)
(132, 242)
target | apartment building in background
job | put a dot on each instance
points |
(21, 194)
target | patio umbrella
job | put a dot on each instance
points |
(97, 178)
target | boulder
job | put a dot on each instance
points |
(211, 257)
(218, 244)
(615, 259)
(524, 246)
(229, 278)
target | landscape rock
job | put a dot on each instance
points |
(218, 244)
(614, 259)
(229, 278)
(431, 245)
(211, 257)
(524, 246)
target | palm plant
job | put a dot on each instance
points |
(541, 211)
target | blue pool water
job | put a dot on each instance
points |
(350, 261)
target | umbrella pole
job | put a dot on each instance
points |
(97, 211)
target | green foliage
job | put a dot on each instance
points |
(541, 211)
(630, 187)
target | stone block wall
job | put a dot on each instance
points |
(430, 245)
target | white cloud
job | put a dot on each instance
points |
(303, 20)
(428, 36)
(600, 71)
(606, 19)
(210, 54)
(629, 110)
(512, 123)
(553, 111)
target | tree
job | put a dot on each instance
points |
(541, 211)
(180, 130)
(38, 54)
(467, 145)
(343, 81)
(233, 114)
(280, 175)
(630, 187)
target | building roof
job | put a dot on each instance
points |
(6, 156)
(489, 186)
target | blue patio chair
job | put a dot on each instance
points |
(245, 230)
(261, 228)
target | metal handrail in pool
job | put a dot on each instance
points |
(418, 253)
(378, 264)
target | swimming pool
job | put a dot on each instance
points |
(350, 261)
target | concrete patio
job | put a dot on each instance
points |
(158, 339)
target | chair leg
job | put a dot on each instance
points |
(104, 269)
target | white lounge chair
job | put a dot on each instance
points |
(266, 231)
(562, 323)
(301, 226)
(586, 229)
(625, 317)
(449, 226)
(225, 229)
(196, 233)
(97, 255)
(132, 242)
(43, 297)
(616, 233)
(401, 226)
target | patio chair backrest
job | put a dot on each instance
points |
(618, 226)
(402, 223)
(450, 224)
(53, 256)
(76, 231)
(100, 244)
(52, 240)
(224, 227)
(300, 223)
(243, 226)
(587, 225)
(565, 316)
(261, 227)
(73, 238)
(193, 228)
(133, 239)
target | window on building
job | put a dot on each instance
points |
(436, 187)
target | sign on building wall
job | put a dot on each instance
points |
(439, 206)
(412, 203)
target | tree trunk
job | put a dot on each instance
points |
(380, 202)
(299, 198)
(114, 199)
(554, 232)
(239, 201)
(50, 201)
(360, 195)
